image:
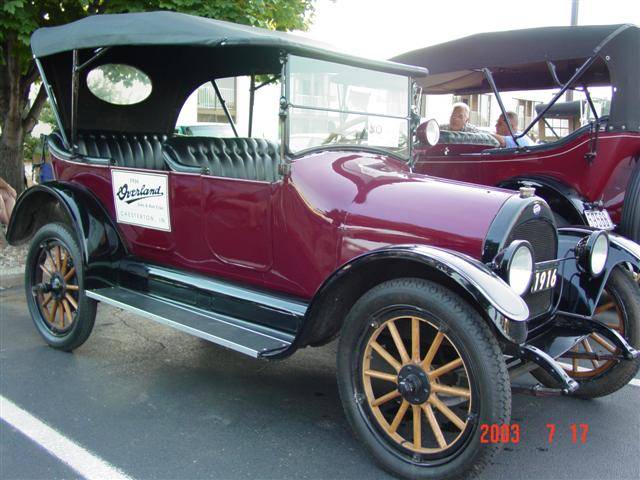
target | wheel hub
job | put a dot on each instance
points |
(413, 384)
(57, 286)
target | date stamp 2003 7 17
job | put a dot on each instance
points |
(512, 433)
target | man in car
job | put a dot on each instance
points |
(459, 120)
(504, 136)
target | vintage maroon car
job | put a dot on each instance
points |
(441, 292)
(590, 176)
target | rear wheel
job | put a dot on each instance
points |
(419, 371)
(54, 283)
(619, 308)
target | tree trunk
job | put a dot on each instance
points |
(18, 114)
(11, 158)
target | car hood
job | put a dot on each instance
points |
(384, 203)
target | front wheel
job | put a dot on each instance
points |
(419, 373)
(619, 308)
(54, 283)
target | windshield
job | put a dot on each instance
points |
(334, 104)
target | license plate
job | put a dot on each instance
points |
(599, 219)
(544, 279)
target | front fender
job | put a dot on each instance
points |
(506, 310)
(100, 243)
(562, 199)
(580, 291)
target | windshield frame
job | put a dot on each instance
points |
(285, 120)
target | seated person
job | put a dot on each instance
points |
(459, 120)
(503, 136)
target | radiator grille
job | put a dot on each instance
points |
(542, 236)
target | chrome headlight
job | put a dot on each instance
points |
(432, 132)
(593, 251)
(516, 266)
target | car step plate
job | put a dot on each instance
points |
(223, 330)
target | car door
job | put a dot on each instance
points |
(237, 221)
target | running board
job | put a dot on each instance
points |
(239, 335)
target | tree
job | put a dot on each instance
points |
(18, 73)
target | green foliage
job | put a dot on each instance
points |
(31, 146)
(19, 18)
(46, 114)
(119, 84)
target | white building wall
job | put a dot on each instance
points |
(189, 113)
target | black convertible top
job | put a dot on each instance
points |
(178, 52)
(180, 29)
(514, 55)
(518, 61)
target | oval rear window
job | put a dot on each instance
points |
(119, 84)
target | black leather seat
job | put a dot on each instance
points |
(136, 150)
(451, 137)
(244, 158)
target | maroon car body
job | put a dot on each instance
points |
(594, 168)
(337, 208)
(559, 171)
(268, 246)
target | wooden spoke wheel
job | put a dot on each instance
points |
(608, 311)
(419, 371)
(416, 384)
(619, 308)
(55, 287)
(54, 276)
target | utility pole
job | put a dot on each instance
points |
(575, 5)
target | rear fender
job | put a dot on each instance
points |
(580, 291)
(501, 306)
(100, 243)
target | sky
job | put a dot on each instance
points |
(384, 28)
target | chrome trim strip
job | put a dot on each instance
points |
(184, 328)
(277, 303)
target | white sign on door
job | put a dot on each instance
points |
(141, 199)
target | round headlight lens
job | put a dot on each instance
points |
(521, 269)
(432, 132)
(599, 254)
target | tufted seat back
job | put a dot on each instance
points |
(245, 158)
(467, 138)
(137, 150)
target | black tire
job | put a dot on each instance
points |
(630, 222)
(78, 329)
(625, 293)
(475, 343)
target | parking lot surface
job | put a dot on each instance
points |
(157, 403)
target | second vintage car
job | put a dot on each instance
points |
(587, 166)
(442, 293)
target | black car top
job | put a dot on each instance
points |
(518, 61)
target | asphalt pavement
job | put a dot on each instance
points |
(159, 404)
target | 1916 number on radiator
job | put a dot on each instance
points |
(544, 279)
